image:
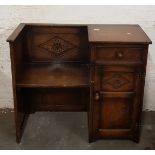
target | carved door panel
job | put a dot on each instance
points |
(115, 79)
(116, 102)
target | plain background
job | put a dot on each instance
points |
(11, 16)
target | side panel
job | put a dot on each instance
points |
(21, 114)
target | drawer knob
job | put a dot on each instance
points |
(119, 54)
(97, 96)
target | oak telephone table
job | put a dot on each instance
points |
(99, 69)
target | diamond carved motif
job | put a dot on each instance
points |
(57, 46)
(116, 81)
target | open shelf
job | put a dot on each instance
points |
(54, 75)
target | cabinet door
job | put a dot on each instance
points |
(116, 100)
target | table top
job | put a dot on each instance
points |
(117, 34)
(104, 33)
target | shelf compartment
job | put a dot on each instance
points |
(55, 99)
(54, 75)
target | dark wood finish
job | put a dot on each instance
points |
(99, 69)
(118, 92)
(119, 54)
(124, 34)
(16, 54)
(117, 102)
(16, 32)
(55, 99)
(57, 43)
(54, 75)
(115, 78)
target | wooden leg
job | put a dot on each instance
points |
(20, 126)
(136, 137)
(21, 114)
(91, 140)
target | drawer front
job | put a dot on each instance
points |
(113, 79)
(116, 54)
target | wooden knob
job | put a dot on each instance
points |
(97, 96)
(120, 55)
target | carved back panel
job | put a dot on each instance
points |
(57, 43)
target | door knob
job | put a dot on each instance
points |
(97, 96)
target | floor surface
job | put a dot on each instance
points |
(61, 131)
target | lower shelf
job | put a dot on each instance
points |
(53, 99)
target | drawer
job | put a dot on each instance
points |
(119, 54)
